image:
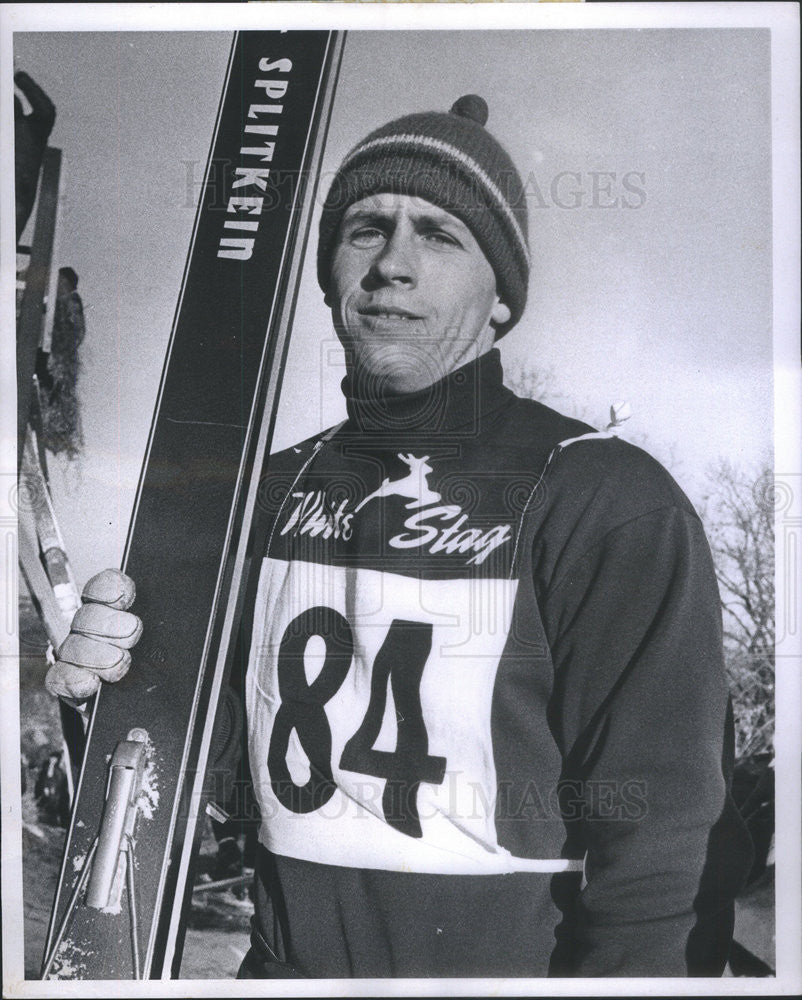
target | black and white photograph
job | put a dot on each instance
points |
(402, 504)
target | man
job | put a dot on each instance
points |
(485, 695)
(31, 132)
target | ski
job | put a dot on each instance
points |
(119, 908)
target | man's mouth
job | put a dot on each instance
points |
(384, 313)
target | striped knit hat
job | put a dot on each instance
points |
(452, 161)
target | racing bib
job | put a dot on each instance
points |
(369, 702)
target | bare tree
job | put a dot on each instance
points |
(739, 516)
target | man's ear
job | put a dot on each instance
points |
(500, 313)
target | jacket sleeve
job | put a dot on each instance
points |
(638, 712)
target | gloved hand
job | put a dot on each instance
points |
(101, 634)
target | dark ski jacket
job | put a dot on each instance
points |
(487, 708)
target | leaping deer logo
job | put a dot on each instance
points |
(413, 486)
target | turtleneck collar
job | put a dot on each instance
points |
(464, 399)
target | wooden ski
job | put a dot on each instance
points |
(123, 886)
(54, 591)
(39, 281)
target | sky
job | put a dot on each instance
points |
(647, 160)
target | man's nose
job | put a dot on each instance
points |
(395, 263)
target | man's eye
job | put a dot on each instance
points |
(367, 236)
(438, 236)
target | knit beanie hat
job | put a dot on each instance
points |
(451, 160)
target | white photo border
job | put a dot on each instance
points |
(783, 20)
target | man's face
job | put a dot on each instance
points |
(411, 293)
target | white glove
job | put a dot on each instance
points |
(101, 634)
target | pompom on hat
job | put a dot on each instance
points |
(451, 160)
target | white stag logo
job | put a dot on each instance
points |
(413, 486)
